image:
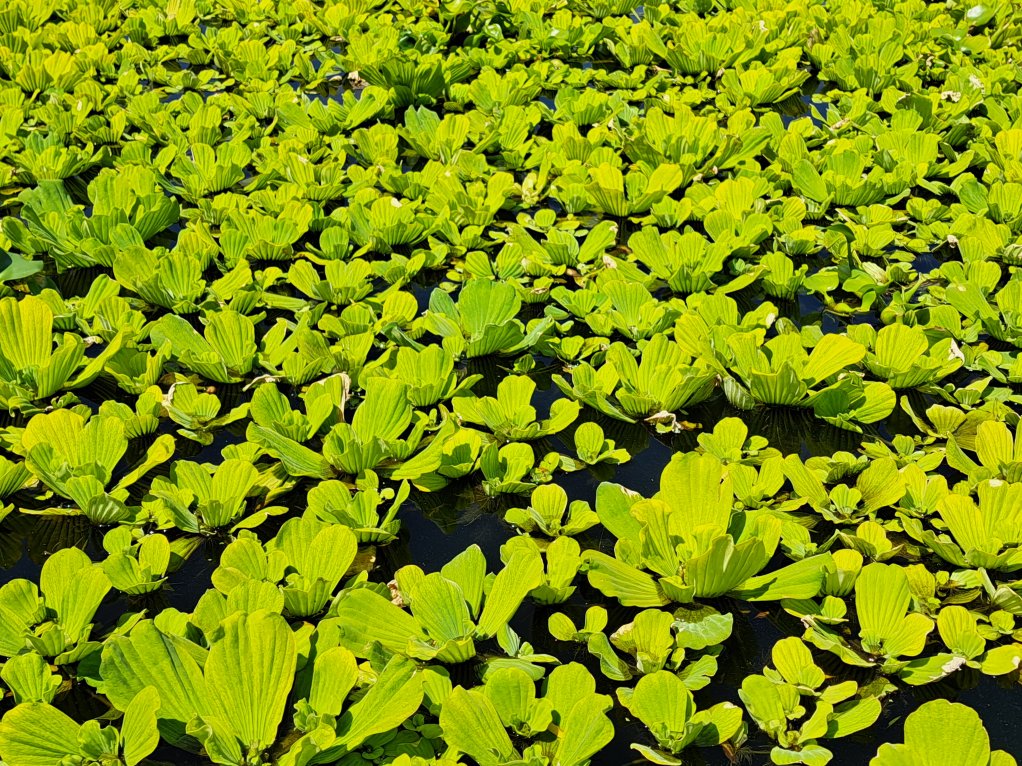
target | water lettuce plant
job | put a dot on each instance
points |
(76, 457)
(54, 619)
(693, 543)
(33, 366)
(448, 611)
(475, 721)
(37, 732)
(774, 701)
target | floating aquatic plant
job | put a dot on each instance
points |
(677, 318)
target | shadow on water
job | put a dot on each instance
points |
(805, 103)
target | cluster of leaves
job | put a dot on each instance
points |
(276, 275)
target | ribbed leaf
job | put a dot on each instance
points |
(805, 483)
(880, 484)
(725, 565)
(583, 732)
(899, 346)
(468, 570)
(20, 608)
(297, 459)
(148, 657)
(334, 675)
(794, 661)
(26, 324)
(385, 413)
(249, 673)
(74, 587)
(365, 616)
(512, 692)
(662, 698)
(390, 701)
(614, 578)
(472, 725)
(484, 302)
(957, 627)
(181, 336)
(882, 599)
(613, 506)
(939, 733)
(232, 337)
(994, 444)
(317, 551)
(698, 489)
(139, 732)
(440, 608)
(831, 355)
(762, 699)
(30, 679)
(522, 573)
(37, 734)
(800, 579)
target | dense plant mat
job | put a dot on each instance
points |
(704, 318)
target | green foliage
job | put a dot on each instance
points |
(447, 610)
(687, 542)
(510, 415)
(774, 702)
(661, 701)
(475, 721)
(943, 732)
(54, 619)
(342, 344)
(76, 458)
